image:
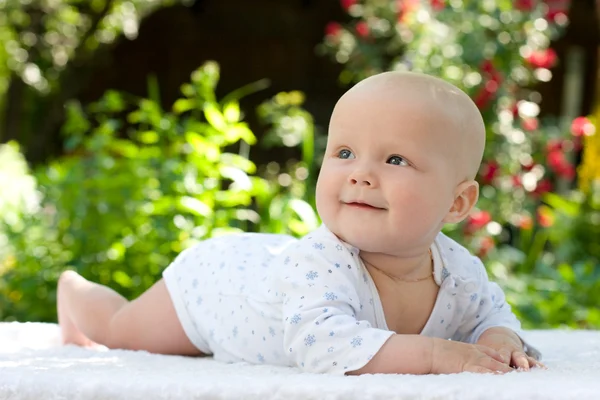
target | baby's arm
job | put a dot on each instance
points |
(491, 322)
(322, 333)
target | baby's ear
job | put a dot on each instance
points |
(465, 198)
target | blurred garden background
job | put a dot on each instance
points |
(130, 129)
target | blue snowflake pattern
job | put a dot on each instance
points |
(199, 300)
(287, 260)
(331, 333)
(445, 273)
(330, 350)
(338, 247)
(337, 265)
(325, 310)
(330, 296)
(195, 283)
(295, 319)
(474, 297)
(356, 341)
(312, 275)
(318, 246)
(309, 340)
(260, 358)
(272, 331)
(235, 331)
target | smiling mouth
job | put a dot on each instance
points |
(363, 206)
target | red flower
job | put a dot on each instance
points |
(486, 94)
(542, 58)
(478, 220)
(557, 9)
(362, 29)
(543, 186)
(524, 5)
(489, 171)
(582, 126)
(438, 5)
(528, 167)
(567, 171)
(516, 181)
(554, 145)
(332, 29)
(346, 4)
(555, 15)
(556, 159)
(530, 124)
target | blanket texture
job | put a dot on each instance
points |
(33, 365)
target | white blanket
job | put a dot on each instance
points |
(34, 366)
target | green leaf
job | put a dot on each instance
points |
(148, 137)
(240, 131)
(239, 177)
(231, 112)
(305, 212)
(202, 146)
(122, 279)
(183, 105)
(214, 117)
(561, 204)
(238, 161)
(194, 206)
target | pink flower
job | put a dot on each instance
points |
(542, 58)
(530, 124)
(582, 126)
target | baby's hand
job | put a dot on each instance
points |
(510, 347)
(453, 357)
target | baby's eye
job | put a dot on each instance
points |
(345, 154)
(397, 160)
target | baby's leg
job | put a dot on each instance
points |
(90, 313)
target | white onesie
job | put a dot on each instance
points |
(311, 302)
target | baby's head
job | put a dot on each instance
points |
(407, 146)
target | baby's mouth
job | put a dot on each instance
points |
(363, 206)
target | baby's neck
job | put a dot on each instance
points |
(411, 268)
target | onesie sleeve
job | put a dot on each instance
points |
(320, 303)
(487, 309)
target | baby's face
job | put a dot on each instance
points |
(389, 173)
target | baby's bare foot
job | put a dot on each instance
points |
(69, 332)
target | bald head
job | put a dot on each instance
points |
(460, 128)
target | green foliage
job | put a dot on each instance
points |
(136, 187)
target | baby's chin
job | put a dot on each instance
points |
(364, 241)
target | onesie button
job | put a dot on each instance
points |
(470, 287)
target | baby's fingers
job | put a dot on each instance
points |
(520, 360)
(535, 363)
(494, 365)
(490, 352)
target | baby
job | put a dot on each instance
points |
(376, 289)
